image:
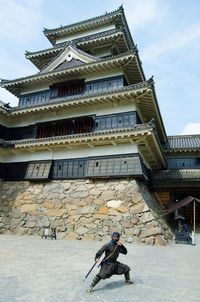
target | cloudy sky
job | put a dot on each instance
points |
(167, 33)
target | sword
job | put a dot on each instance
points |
(90, 271)
(99, 261)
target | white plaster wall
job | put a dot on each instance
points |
(3, 119)
(102, 52)
(35, 88)
(64, 153)
(102, 75)
(3, 157)
(70, 37)
(99, 109)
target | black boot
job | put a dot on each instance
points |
(94, 282)
(127, 278)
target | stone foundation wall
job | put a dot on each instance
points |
(83, 209)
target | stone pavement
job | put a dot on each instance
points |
(39, 270)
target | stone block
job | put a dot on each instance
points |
(117, 218)
(136, 231)
(100, 216)
(128, 232)
(129, 239)
(120, 187)
(55, 212)
(94, 191)
(127, 224)
(15, 223)
(146, 217)
(15, 213)
(86, 210)
(136, 197)
(82, 230)
(137, 208)
(149, 240)
(58, 222)
(122, 209)
(107, 195)
(98, 201)
(114, 203)
(30, 224)
(160, 240)
(48, 205)
(150, 232)
(113, 212)
(60, 235)
(102, 210)
(30, 208)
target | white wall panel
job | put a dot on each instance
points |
(65, 153)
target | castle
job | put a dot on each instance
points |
(86, 150)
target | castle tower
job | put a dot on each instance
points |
(88, 122)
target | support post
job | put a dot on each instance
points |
(194, 223)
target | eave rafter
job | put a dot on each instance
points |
(149, 109)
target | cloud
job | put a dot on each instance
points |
(18, 18)
(191, 128)
(139, 13)
(172, 41)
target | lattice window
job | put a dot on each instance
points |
(38, 170)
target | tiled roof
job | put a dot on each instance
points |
(76, 24)
(183, 142)
(46, 75)
(107, 18)
(76, 41)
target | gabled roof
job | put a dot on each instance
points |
(115, 17)
(183, 143)
(116, 36)
(71, 56)
(181, 203)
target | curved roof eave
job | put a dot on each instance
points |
(78, 41)
(10, 84)
(51, 33)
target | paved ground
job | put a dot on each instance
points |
(36, 270)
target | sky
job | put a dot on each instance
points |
(167, 34)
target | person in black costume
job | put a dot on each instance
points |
(109, 265)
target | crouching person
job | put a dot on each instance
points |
(109, 265)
